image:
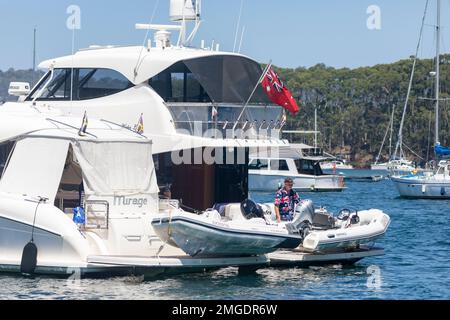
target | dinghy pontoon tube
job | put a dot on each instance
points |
(211, 235)
(349, 230)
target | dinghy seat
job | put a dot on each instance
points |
(323, 220)
(233, 212)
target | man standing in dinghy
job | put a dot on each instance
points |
(285, 201)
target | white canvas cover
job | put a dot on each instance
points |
(35, 168)
(116, 167)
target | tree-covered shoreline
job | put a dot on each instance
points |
(355, 105)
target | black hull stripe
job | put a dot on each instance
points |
(30, 226)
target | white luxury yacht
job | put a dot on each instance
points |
(203, 110)
(297, 161)
(50, 171)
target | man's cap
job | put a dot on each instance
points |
(288, 180)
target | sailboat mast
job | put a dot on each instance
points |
(438, 50)
(392, 131)
(315, 128)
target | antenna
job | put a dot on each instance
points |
(34, 49)
(238, 25)
(242, 39)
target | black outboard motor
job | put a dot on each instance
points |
(250, 210)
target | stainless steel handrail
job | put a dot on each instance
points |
(106, 214)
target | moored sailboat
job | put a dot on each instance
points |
(433, 185)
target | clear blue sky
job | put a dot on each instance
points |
(291, 32)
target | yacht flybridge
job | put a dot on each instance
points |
(193, 102)
(203, 111)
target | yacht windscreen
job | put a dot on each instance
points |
(5, 152)
(218, 79)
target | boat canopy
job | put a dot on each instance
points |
(441, 150)
(109, 167)
(218, 79)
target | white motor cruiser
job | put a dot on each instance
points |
(302, 163)
(75, 201)
(249, 229)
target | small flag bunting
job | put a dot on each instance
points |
(84, 125)
(139, 128)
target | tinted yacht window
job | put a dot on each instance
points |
(279, 165)
(88, 84)
(5, 151)
(57, 89)
(96, 83)
(179, 84)
(259, 164)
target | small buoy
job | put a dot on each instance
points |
(29, 259)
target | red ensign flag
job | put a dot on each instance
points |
(278, 93)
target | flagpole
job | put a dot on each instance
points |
(253, 92)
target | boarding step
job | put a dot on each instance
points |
(302, 258)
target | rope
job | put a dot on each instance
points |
(138, 64)
(411, 80)
(41, 200)
(413, 152)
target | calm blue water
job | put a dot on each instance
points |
(416, 264)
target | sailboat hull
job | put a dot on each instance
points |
(422, 189)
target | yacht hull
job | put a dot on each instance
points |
(64, 251)
(149, 267)
(379, 167)
(421, 189)
(303, 183)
